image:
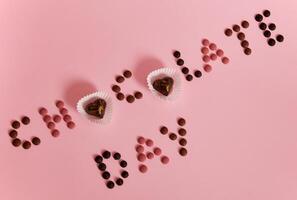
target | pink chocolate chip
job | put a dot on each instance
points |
(139, 149)
(157, 151)
(149, 155)
(220, 52)
(141, 140)
(213, 46)
(43, 111)
(141, 157)
(57, 118)
(70, 124)
(143, 168)
(149, 142)
(51, 125)
(204, 50)
(60, 104)
(55, 133)
(206, 58)
(213, 56)
(207, 68)
(225, 60)
(165, 160)
(205, 42)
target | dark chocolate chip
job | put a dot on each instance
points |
(172, 136)
(119, 181)
(183, 151)
(117, 156)
(183, 142)
(26, 144)
(13, 133)
(98, 159)
(110, 184)
(266, 13)
(181, 121)
(244, 43)
(120, 96)
(127, 74)
(236, 28)
(258, 17)
(123, 163)
(228, 32)
(245, 24)
(267, 33)
(102, 166)
(36, 140)
(96, 108)
(185, 70)
(138, 95)
(247, 51)
(164, 85)
(116, 88)
(189, 77)
(176, 54)
(182, 131)
(197, 73)
(120, 79)
(15, 124)
(262, 26)
(25, 120)
(164, 130)
(280, 38)
(16, 142)
(272, 26)
(106, 154)
(180, 62)
(271, 42)
(124, 174)
(241, 36)
(130, 98)
(106, 175)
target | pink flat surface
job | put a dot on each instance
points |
(241, 117)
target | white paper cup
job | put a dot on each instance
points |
(161, 73)
(83, 102)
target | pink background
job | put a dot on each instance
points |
(241, 117)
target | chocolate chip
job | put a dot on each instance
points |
(245, 24)
(106, 154)
(116, 88)
(119, 181)
(96, 108)
(183, 142)
(106, 175)
(60, 104)
(117, 156)
(26, 145)
(138, 95)
(189, 77)
(25, 120)
(228, 32)
(258, 17)
(241, 36)
(36, 140)
(13, 133)
(271, 42)
(15, 124)
(120, 79)
(124, 174)
(183, 151)
(172, 136)
(123, 163)
(142, 168)
(181, 121)
(71, 125)
(110, 184)
(141, 157)
(236, 28)
(164, 85)
(267, 33)
(176, 54)
(16, 142)
(42, 111)
(57, 118)
(182, 131)
(272, 26)
(98, 159)
(180, 62)
(266, 13)
(262, 26)
(244, 43)
(127, 74)
(247, 51)
(164, 130)
(197, 73)
(120, 96)
(280, 38)
(102, 166)
(185, 70)
(165, 160)
(130, 99)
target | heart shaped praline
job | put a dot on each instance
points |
(96, 108)
(164, 85)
